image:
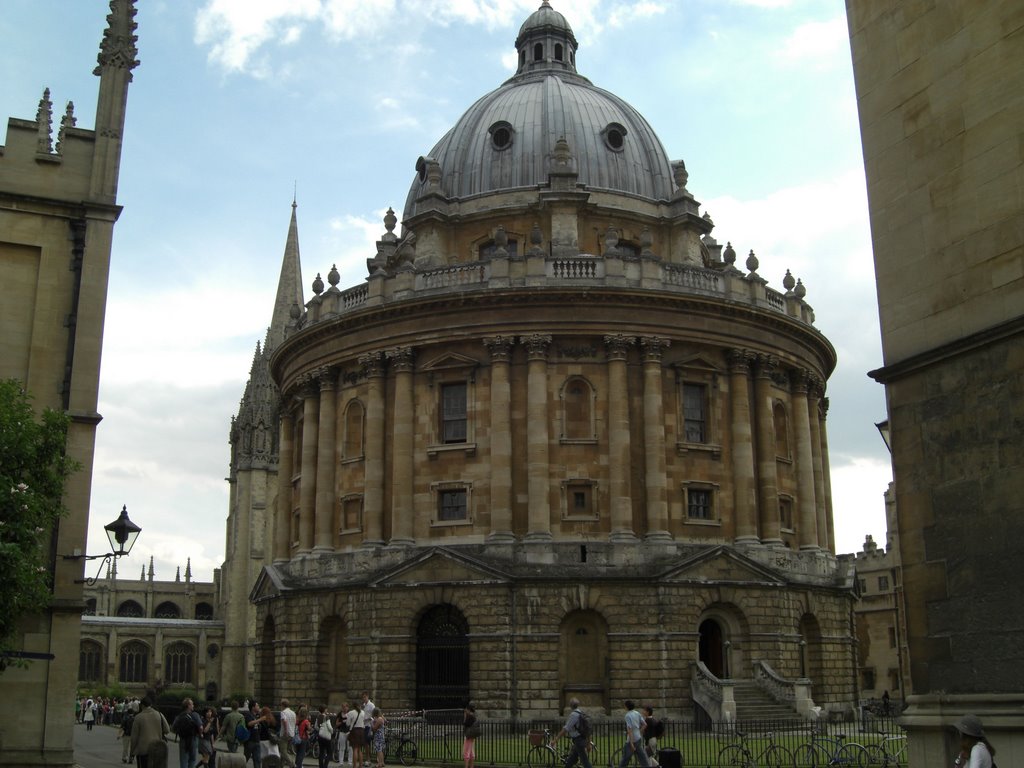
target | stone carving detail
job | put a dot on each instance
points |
(618, 345)
(654, 347)
(44, 119)
(500, 347)
(740, 360)
(536, 345)
(402, 359)
(118, 49)
(767, 366)
(373, 364)
(577, 352)
(254, 434)
(67, 121)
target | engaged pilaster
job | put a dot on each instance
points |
(766, 472)
(808, 533)
(500, 348)
(373, 492)
(307, 483)
(742, 449)
(654, 439)
(617, 347)
(285, 470)
(402, 363)
(814, 394)
(537, 430)
(326, 462)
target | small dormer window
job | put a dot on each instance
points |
(501, 135)
(538, 52)
(614, 136)
(522, 58)
(558, 51)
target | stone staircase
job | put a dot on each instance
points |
(754, 707)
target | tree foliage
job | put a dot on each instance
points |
(33, 469)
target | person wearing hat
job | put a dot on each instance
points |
(975, 751)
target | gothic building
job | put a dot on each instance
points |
(558, 443)
(58, 206)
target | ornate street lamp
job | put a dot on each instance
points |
(122, 534)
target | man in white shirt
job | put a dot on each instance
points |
(284, 741)
(368, 707)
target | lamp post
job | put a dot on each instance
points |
(121, 533)
(803, 659)
(728, 654)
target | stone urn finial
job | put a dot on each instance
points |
(318, 285)
(752, 262)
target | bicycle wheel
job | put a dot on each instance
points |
(613, 759)
(407, 752)
(314, 748)
(734, 754)
(877, 755)
(541, 757)
(776, 756)
(852, 755)
(809, 756)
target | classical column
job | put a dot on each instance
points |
(766, 471)
(813, 400)
(326, 498)
(285, 469)
(402, 448)
(373, 477)
(537, 472)
(617, 347)
(654, 439)
(307, 485)
(742, 448)
(830, 531)
(500, 348)
(807, 534)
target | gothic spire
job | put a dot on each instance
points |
(289, 286)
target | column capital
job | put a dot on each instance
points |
(500, 347)
(325, 376)
(373, 364)
(617, 345)
(817, 385)
(767, 366)
(823, 404)
(402, 359)
(740, 360)
(536, 345)
(653, 348)
(801, 381)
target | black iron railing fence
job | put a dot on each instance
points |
(436, 738)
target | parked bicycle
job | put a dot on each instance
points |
(740, 754)
(824, 750)
(544, 755)
(891, 750)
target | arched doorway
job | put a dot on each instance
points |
(442, 659)
(266, 683)
(583, 659)
(712, 648)
(809, 656)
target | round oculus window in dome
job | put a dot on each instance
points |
(501, 135)
(614, 136)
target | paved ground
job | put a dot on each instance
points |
(100, 748)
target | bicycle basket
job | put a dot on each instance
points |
(536, 738)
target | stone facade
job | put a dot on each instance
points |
(143, 635)
(58, 205)
(939, 90)
(557, 444)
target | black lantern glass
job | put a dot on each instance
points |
(122, 533)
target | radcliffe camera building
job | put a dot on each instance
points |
(560, 442)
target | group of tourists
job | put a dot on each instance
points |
(643, 730)
(104, 711)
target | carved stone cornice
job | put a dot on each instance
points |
(537, 345)
(654, 348)
(373, 364)
(500, 347)
(740, 360)
(402, 359)
(617, 345)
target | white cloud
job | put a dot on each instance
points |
(622, 15)
(236, 29)
(816, 43)
(858, 501)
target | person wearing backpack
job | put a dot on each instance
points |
(578, 728)
(653, 731)
(125, 735)
(186, 727)
(229, 728)
(634, 746)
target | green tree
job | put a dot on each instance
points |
(33, 469)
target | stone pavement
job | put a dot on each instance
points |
(100, 748)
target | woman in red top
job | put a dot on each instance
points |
(302, 730)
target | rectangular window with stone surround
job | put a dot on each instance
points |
(579, 499)
(454, 503)
(700, 503)
(695, 413)
(351, 513)
(453, 413)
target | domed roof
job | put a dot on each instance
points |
(506, 139)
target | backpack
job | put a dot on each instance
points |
(185, 727)
(241, 732)
(656, 728)
(126, 723)
(583, 724)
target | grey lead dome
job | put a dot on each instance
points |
(505, 140)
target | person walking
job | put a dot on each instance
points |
(148, 734)
(653, 730)
(229, 727)
(207, 735)
(89, 714)
(124, 733)
(634, 746)
(252, 746)
(187, 726)
(377, 729)
(470, 732)
(286, 734)
(302, 734)
(325, 737)
(975, 750)
(357, 736)
(368, 707)
(577, 728)
(268, 728)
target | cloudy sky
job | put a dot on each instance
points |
(238, 104)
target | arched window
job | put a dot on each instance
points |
(538, 52)
(577, 410)
(353, 442)
(129, 609)
(167, 610)
(442, 659)
(558, 51)
(781, 431)
(178, 663)
(204, 612)
(134, 662)
(90, 662)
